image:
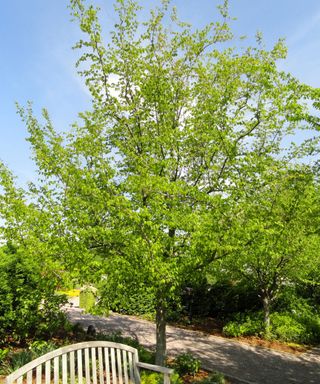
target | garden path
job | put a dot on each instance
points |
(245, 364)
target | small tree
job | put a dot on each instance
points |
(277, 236)
(142, 190)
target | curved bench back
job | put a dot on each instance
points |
(94, 362)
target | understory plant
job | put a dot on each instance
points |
(185, 363)
(245, 324)
(29, 306)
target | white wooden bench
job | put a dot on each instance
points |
(94, 362)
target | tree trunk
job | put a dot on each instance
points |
(266, 309)
(161, 343)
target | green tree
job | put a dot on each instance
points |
(277, 233)
(141, 192)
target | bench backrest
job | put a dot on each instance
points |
(94, 362)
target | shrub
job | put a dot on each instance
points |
(227, 297)
(175, 378)
(41, 347)
(150, 378)
(15, 360)
(300, 315)
(285, 328)
(308, 316)
(29, 306)
(157, 378)
(244, 325)
(140, 302)
(186, 364)
(87, 299)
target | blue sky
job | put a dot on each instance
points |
(37, 61)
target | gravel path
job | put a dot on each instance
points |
(247, 364)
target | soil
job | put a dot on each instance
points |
(214, 327)
(198, 377)
(296, 349)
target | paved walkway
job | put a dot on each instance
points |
(252, 365)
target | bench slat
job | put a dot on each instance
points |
(125, 366)
(119, 366)
(56, 370)
(107, 364)
(87, 365)
(131, 368)
(113, 366)
(39, 374)
(29, 377)
(94, 365)
(100, 365)
(79, 364)
(48, 372)
(64, 369)
(72, 368)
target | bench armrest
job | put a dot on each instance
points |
(156, 368)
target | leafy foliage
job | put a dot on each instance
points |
(15, 361)
(150, 378)
(137, 302)
(280, 233)
(156, 378)
(284, 327)
(250, 324)
(29, 306)
(87, 300)
(186, 364)
(3, 354)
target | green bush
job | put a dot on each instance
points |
(150, 378)
(29, 306)
(140, 302)
(308, 316)
(301, 316)
(244, 325)
(300, 325)
(186, 364)
(15, 360)
(87, 300)
(175, 378)
(285, 328)
(41, 347)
